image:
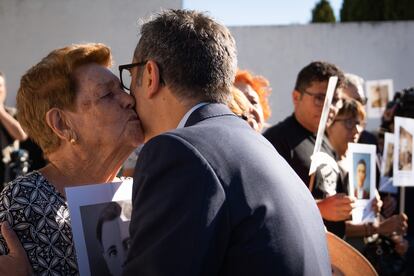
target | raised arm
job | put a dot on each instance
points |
(11, 125)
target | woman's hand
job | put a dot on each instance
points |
(377, 203)
(390, 204)
(401, 244)
(16, 262)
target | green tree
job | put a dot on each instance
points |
(322, 12)
(376, 10)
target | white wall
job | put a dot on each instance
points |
(371, 50)
(29, 29)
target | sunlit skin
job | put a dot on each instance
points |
(306, 112)
(115, 134)
(3, 91)
(158, 108)
(102, 97)
(256, 109)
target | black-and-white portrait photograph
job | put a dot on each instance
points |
(100, 216)
(105, 227)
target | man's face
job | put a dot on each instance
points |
(137, 91)
(309, 105)
(361, 174)
(115, 245)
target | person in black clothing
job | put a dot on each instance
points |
(10, 129)
(294, 139)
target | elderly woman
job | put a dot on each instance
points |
(75, 109)
(250, 99)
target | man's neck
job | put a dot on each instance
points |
(169, 112)
(301, 122)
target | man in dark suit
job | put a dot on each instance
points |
(210, 196)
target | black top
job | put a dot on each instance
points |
(295, 143)
(5, 140)
(39, 215)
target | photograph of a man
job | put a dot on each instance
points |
(362, 183)
(405, 150)
(106, 234)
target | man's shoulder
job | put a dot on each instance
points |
(280, 127)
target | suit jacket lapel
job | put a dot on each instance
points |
(208, 111)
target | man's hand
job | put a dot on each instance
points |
(16, 262)
(336, 208)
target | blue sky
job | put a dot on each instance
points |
(259, 12)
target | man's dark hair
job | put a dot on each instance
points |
(318, 71)
(111, 211)
(362, 161)
(195, 54)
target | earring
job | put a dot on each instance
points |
(73, 137)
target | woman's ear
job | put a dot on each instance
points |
(152, 81)
(57, 120)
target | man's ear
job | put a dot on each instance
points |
(57, 120)
(296, 97)
(152, 81)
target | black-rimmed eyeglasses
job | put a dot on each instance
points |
(125, 73)
(350, 123)
(319, 99)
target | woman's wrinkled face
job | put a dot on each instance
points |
(104, 118)
(255, 110)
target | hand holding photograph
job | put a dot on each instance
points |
(403, 172)
(386, 180)
(361, 158)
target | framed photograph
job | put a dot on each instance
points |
(100, 216)
(403, 171)
(387, 165)
(379, 93)
(361, 159)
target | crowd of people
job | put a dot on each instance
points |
(216, 190)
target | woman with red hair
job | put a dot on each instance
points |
(256, 89)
